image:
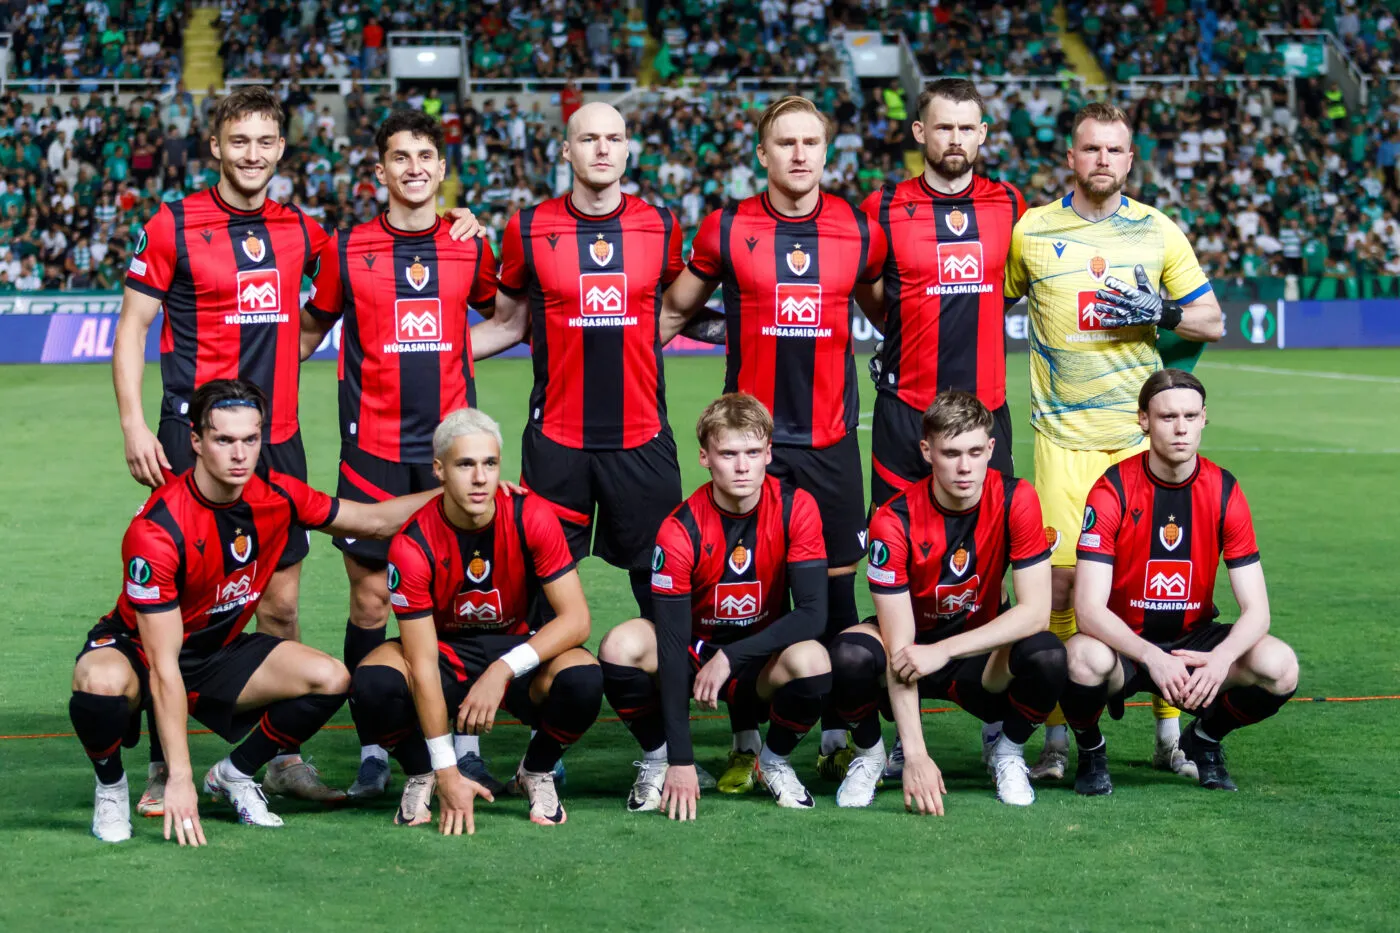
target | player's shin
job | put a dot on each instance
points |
(857, 662)
(100, 723)
(841, 614)
(633, 695)
(381, 704)
(1240, 706)
(285, 724)
(1082, 707)
(359, 642)
(1039, 673)
(572, 706)
(795, 708)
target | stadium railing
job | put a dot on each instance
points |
(1138, 85)
(56, 87)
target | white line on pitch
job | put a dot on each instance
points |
(1320, 374)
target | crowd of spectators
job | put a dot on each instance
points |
(111, 39)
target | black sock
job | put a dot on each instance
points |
(1241, 706)
(795, 708)
(283, 727)
(633, 696)
(101, 723)
(571, 707)
(382, 706)
(857, 661)
(745, 712)
(841, 614)
(1082, 707)
(641, 590)
(157, 750)
(359, 642)
(1038, 674)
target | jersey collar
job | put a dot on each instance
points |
(593, 218)
(1068, 201)
(773, 211)
(205, 501)
(395, 231)
(933, 501)
(1158, 481)
(933, 192)
(237, 212)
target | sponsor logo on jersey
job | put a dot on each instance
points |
(798, 311)
(241, 547)
(1089, 317)
(237, 590)
(1170, 534)
(1167, 580)
(138, 266)
(602, 297)
(956, 221)
(475, 607)
(418, 327)
(601, 251)
(254, 248)
(798, 261)
(737, 602)
(954, 598)
(959, 263)
(740, 558)
(478, 569)
(875, 570)
(259, 298)
(137, 591)
(958, 562)
(418, 275)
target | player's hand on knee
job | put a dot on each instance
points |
(478, 712)
(710, 681)
(182, 813)
(913, 662)
(464, 224)
(923, 786)
(1170, 674)
(680, 793)
(145, 457)
(1208, 674)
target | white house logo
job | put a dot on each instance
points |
(417, 320)
(953, 598)
(258, 293)
(1167, 580)
(1089, 317)
(797, 260)
(236, 588)
(736, 602)
(602, 297)
(254, 248)
(799, 306)
(959, 263)
(477, 608)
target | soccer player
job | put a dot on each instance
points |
(462, 575)
(940, 296)
(1155, 529)
(789, 262)
(725, 562)
(226, 266)
(1092, 344)
(938, 553)
(403, 287)
(198, 557)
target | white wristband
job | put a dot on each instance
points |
(440, 753)
(521, 659)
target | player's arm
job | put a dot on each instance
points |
(805, 621)
(507, 326)
(683, 298)
(1201, 319)
(871, 298)
(870, 284)
(144, 456)
(376, 519)
(1093, 583)
(923, 782)
(509, 322)
(326, 303)
(162, 635)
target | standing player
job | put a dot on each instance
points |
(586, 272)
(938, 553)
(724, 564)
(198, 557)
(462, 575)
(940, 296)
(789, 262)
(1154, 531)
(1092, 344)
(403, 286)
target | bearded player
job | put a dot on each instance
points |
(1092, 343)
(198, 557)
(1155, 529)
(725, 563)
(788, 263)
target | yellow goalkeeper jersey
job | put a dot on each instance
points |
(1085, 377)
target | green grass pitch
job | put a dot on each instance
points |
(1309, 843)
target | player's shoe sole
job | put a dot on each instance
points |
(152, 802)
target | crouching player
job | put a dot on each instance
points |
(198, 558)
(462, 576)
(938, 553)
(724, 564)
(1155, 528)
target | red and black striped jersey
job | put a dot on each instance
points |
(1165, 542)
(212, 561)
(952, 563)
(945, 321)
(230, 281)
(733, 567)
(787, 284)
(594, 286)
(405, 344)
(476, 582)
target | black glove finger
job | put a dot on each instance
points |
(1110, 316)
(1144, 283)
(1114, 298)
(1118, 285)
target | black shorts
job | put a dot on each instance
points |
(212, 682)
(1206, 637)
(462, 661)
(895, 459)
(369, 479)
(632, 492)
(742, 685)
(288, 457)
(832, 476)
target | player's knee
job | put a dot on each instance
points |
(369, 606)
(580, 685)
(277, 616)
(1275, 665)
(857, 656)
(806, 659)
(373, 685)
(1089, 661)
(1061, 589)
(625, 645)
(324, 674)
(1041, 657)
(110, 677)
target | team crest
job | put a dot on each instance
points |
(241, 547)
(740, 558)
(417, 275)
(601, 251)
(1170, 534)
(1098, 267)
(956, 221)
(477, 569)
(959, 561)
(1052, 537)
(254, 248)
(798, 261)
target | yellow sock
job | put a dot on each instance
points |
(1161, 709)
(1057, 718)
(1062, 624)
